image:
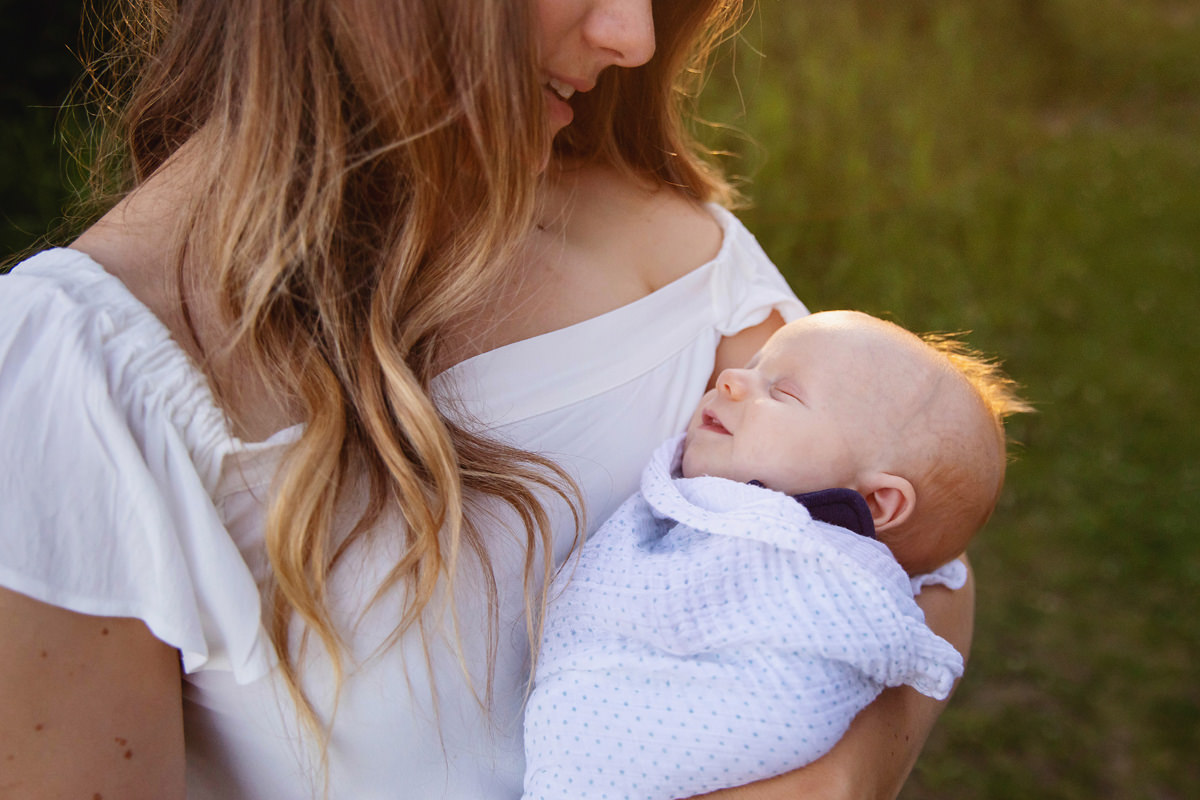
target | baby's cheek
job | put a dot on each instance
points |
(695, 418)
(695, 461)
(686, 460)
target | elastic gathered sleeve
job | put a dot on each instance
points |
(748, 286)
(113, 450)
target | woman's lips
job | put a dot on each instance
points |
(561, 113)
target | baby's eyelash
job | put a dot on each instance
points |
(789, 391)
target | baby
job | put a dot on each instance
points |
(731, 619)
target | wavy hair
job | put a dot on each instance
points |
(374, 168)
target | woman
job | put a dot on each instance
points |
(296, 418)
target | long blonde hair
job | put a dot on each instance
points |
(376, 167)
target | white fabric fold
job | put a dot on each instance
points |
(737, 289)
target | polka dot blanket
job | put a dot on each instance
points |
(711, 634)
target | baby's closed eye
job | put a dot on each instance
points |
(787, 390)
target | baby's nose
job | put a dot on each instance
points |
(733, 383)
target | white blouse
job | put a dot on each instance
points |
(125, 494)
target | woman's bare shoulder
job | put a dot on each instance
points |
(660, 232)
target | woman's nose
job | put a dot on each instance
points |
(623, 28)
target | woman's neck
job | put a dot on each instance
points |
(604, 239)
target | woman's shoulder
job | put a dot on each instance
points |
(73, 339)
(656, 230)
(657, 234)
(110, 499)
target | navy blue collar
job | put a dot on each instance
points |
(845, 508)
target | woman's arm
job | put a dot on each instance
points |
(92, 706)
(873, 759)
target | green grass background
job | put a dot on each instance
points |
(1028, 170)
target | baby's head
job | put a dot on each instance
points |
(844, 400)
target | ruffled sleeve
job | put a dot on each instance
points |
(114, 451)
(747, 287)
(952, 575)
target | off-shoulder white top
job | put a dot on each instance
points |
(124, 493)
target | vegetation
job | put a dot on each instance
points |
(38, 69)
(1026, 170)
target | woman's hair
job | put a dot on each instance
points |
(370, 168)
(639, 119)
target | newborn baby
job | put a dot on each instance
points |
(731, 619)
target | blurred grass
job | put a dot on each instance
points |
(1028, 170)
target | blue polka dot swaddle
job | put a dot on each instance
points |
(711, 634)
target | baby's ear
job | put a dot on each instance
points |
(891, 499)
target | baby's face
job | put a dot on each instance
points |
(800, 417)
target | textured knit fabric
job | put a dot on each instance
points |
(125, 494)
(712, 634)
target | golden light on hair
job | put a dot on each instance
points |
(961, 482)
(372, 168)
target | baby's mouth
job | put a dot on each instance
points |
(709, 422)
